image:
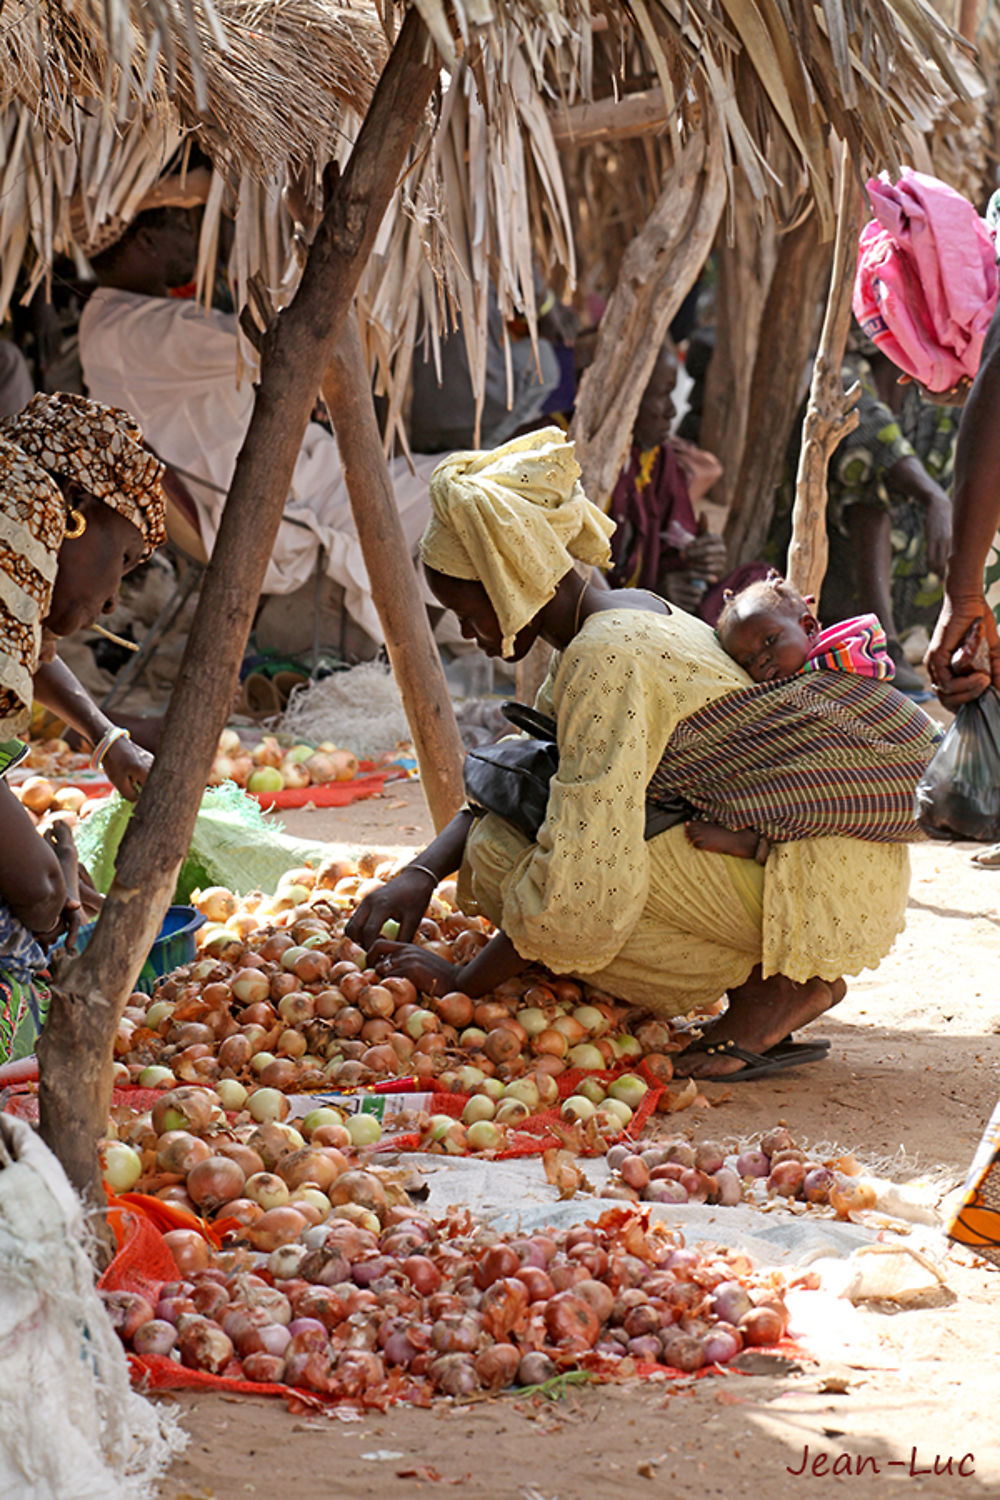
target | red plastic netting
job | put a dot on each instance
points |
(21, 1100)
(142, 1264)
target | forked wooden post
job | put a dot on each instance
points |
(657, 270)
(75, 1050)
(413, 655)
(830, 415)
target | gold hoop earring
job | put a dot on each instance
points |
(76, 526)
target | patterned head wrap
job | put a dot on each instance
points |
(99, 448)
(514, 519)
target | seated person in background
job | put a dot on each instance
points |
(660, 543)
(443, 412)
(150, 349)
(769, 630)
(889, 512)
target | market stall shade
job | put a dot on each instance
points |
(96, 99)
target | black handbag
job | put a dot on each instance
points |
(512, 779)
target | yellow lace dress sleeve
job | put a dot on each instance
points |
(575, 896)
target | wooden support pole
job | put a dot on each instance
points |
(830, 415)
(657, 271)
(413, 655)
(788, 332)
(89, 992)
(967, 21)
(746, 251)
(608, 119)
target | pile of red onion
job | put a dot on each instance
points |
(681, 1172)
(420, 1307)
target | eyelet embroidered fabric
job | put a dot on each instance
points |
(662, 923)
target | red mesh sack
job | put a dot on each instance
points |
(21, 1100)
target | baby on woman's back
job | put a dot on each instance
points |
(769, 629)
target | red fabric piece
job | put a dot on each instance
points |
(22, 1100)
(328, 794)
(655, 518)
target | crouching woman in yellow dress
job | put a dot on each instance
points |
(661, 923)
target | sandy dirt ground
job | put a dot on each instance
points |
(912, 1075)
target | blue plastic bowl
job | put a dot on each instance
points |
(174, 946)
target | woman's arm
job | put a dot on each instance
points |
(31, 877)
(976, 515)
(573, 898)
(404, 898)
(910, 478)
(127, 765)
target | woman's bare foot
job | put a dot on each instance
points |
(761, 1013)
(715, 839)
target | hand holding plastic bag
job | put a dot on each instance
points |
(958, 795)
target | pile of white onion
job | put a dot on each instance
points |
(270, 1176)
(272, 767)
(280, 999)
(396, 1305)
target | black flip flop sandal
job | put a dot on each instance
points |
(778, 1059)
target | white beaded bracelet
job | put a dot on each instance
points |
(104, 744)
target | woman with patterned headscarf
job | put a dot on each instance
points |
(659, 923)
(80, 504)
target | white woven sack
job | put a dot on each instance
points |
(72, 1428)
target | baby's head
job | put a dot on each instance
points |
(768, 629)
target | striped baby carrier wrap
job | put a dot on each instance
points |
(811, 756)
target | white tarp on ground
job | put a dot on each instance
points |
(71, 1428)
(513, 1194)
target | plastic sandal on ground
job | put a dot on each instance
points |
(778, 1059)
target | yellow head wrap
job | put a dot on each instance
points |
(514, 518)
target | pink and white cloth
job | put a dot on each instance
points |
(856, 645)
(926, 283)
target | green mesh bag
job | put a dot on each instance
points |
(232, 845)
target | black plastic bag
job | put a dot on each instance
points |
(958, 795)
(512, 778)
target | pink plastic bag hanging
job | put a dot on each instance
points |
(926, 282)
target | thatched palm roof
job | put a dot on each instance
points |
(95, 97)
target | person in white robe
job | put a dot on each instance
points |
(175, 365)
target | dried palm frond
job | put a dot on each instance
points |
(271, 88)
(961, 144)
(467, 217)
(95, 94)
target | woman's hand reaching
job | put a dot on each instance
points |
(403, 899)
(59, 836)
(126, 766)
(958, 616)
(90, 897)
(431, 974)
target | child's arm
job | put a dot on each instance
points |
(742, 844)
